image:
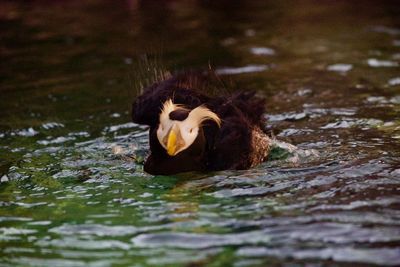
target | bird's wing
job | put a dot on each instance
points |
(240, 113)
(231, 145)
(251, 106)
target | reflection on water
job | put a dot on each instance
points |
(73, 192)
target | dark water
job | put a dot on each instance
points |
(70, 194)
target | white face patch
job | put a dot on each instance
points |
(186, 130)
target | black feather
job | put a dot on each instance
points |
(238, 144)
(179, 114)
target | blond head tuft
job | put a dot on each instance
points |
(167, 108)
(202, 113)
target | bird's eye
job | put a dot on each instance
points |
(191, 130)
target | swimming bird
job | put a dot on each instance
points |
(190, 129)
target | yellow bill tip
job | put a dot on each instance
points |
(171, 143)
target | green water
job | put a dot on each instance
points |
(330, 73)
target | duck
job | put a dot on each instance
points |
(195, 129)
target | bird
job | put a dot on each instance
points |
(193, 128)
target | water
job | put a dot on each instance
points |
(72, 189)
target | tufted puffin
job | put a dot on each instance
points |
(190, 129)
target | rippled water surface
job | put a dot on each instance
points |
(73, 192)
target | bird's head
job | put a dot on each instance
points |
(179, 127)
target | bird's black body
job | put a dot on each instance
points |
(239, 143)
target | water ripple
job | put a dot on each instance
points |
(240, 70)
(382, 256)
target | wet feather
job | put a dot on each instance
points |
(231, 132)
